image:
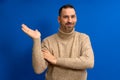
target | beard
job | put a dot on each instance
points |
(67, 27)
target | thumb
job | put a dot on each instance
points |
(37, 30)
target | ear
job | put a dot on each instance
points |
(59, 19)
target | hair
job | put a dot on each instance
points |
(65, 6)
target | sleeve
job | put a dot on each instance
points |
(38, 61)
(84, 61)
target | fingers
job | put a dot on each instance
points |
(45, 55)
(49, 57)
(45, 51)
(32, 33)
(24, 27)
(24, 30)
(37, 30)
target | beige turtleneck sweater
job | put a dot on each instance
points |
(73, 52)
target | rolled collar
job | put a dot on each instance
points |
(64, 35)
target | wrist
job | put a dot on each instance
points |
(54, 61)
(36, 39)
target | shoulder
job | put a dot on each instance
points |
(81, 35)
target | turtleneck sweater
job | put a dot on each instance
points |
(73, 52)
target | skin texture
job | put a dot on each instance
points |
(34, 34)
(67, 19)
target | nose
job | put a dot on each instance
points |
(69, 19)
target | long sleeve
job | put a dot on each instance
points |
(39, 63)
(84, 61)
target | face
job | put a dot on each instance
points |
(67, 19)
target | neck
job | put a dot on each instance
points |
(66, 35)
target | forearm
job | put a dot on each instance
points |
(39, 63)
(84, 61)
(76, 63)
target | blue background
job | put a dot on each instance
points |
(100, 19)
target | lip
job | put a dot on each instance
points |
(69, 24)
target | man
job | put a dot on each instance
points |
(67, 54)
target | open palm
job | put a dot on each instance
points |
(32, 33)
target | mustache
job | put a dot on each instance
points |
(68, 23)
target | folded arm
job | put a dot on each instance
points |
(84, 61)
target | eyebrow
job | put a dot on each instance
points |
(70, 15)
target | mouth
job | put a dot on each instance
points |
(69, 24)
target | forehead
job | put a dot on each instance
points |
(68, 11)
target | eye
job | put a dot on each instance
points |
(65, 16)
(73, 16)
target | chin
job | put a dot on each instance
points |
(69, 29)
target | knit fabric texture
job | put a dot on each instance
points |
(73, 52)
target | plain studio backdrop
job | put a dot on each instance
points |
(100, 19)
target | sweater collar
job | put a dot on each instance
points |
(64, 35)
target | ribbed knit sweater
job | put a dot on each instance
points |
(73, 52)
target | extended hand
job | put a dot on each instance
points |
(35, 34)
(49, 57)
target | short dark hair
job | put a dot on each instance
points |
(65, 6)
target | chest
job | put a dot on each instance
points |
(66, 48)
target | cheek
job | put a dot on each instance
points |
(64, 21)
(75, 21)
